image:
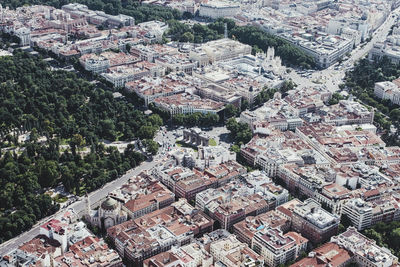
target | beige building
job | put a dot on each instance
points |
(233, 253)
(192, 255)
(277, 248)
(108, 214)
(219, 50)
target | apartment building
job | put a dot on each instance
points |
(143, 204)
(347, 112)
(157, 232)
(185, 103)
(246, 229)
(90, 251)
(364, 214)
(385, 49)
(150, 88)
(313, 222)
(120, 75)
(233, 202)
(231, 252)
(278, 248)
(191, 255)
(218, 9)
(388, 90)
(329, 254)
(365, 251)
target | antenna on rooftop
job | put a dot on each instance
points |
(225, 30)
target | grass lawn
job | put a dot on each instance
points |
(82, 190)
(65, 141)
(60, 198)
(119, 135)
(212, 142)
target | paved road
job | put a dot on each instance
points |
(78, 206)
(330, 77)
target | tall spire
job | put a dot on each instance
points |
(87, 203)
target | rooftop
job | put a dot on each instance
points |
(311, 211)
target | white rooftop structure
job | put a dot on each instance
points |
(311, 210)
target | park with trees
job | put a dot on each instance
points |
(67, 120)
(360, 82)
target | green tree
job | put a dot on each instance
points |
(61, 106)
(395, 239)
(345, 220)
(209, 119)
(371, 233)
(232, 125)
(48, 173)
(156, 120)
(187, 15)
(151, 146)
(187, 37)
(336, 97)
(230, 111)
(239, 132)
(77, 140)
(395, 114)
(244, 105)
(179, 119)
(235, 148)
(34, 136)
(146, 132)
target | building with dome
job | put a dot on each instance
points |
(108, 214)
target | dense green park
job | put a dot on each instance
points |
(67, 118)
(360, 83)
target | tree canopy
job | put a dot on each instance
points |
(361, 81)
(239, 132)
(386, 235)
(64, 115)
(59, 103)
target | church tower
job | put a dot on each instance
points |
(270, 53)
(87, 207)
